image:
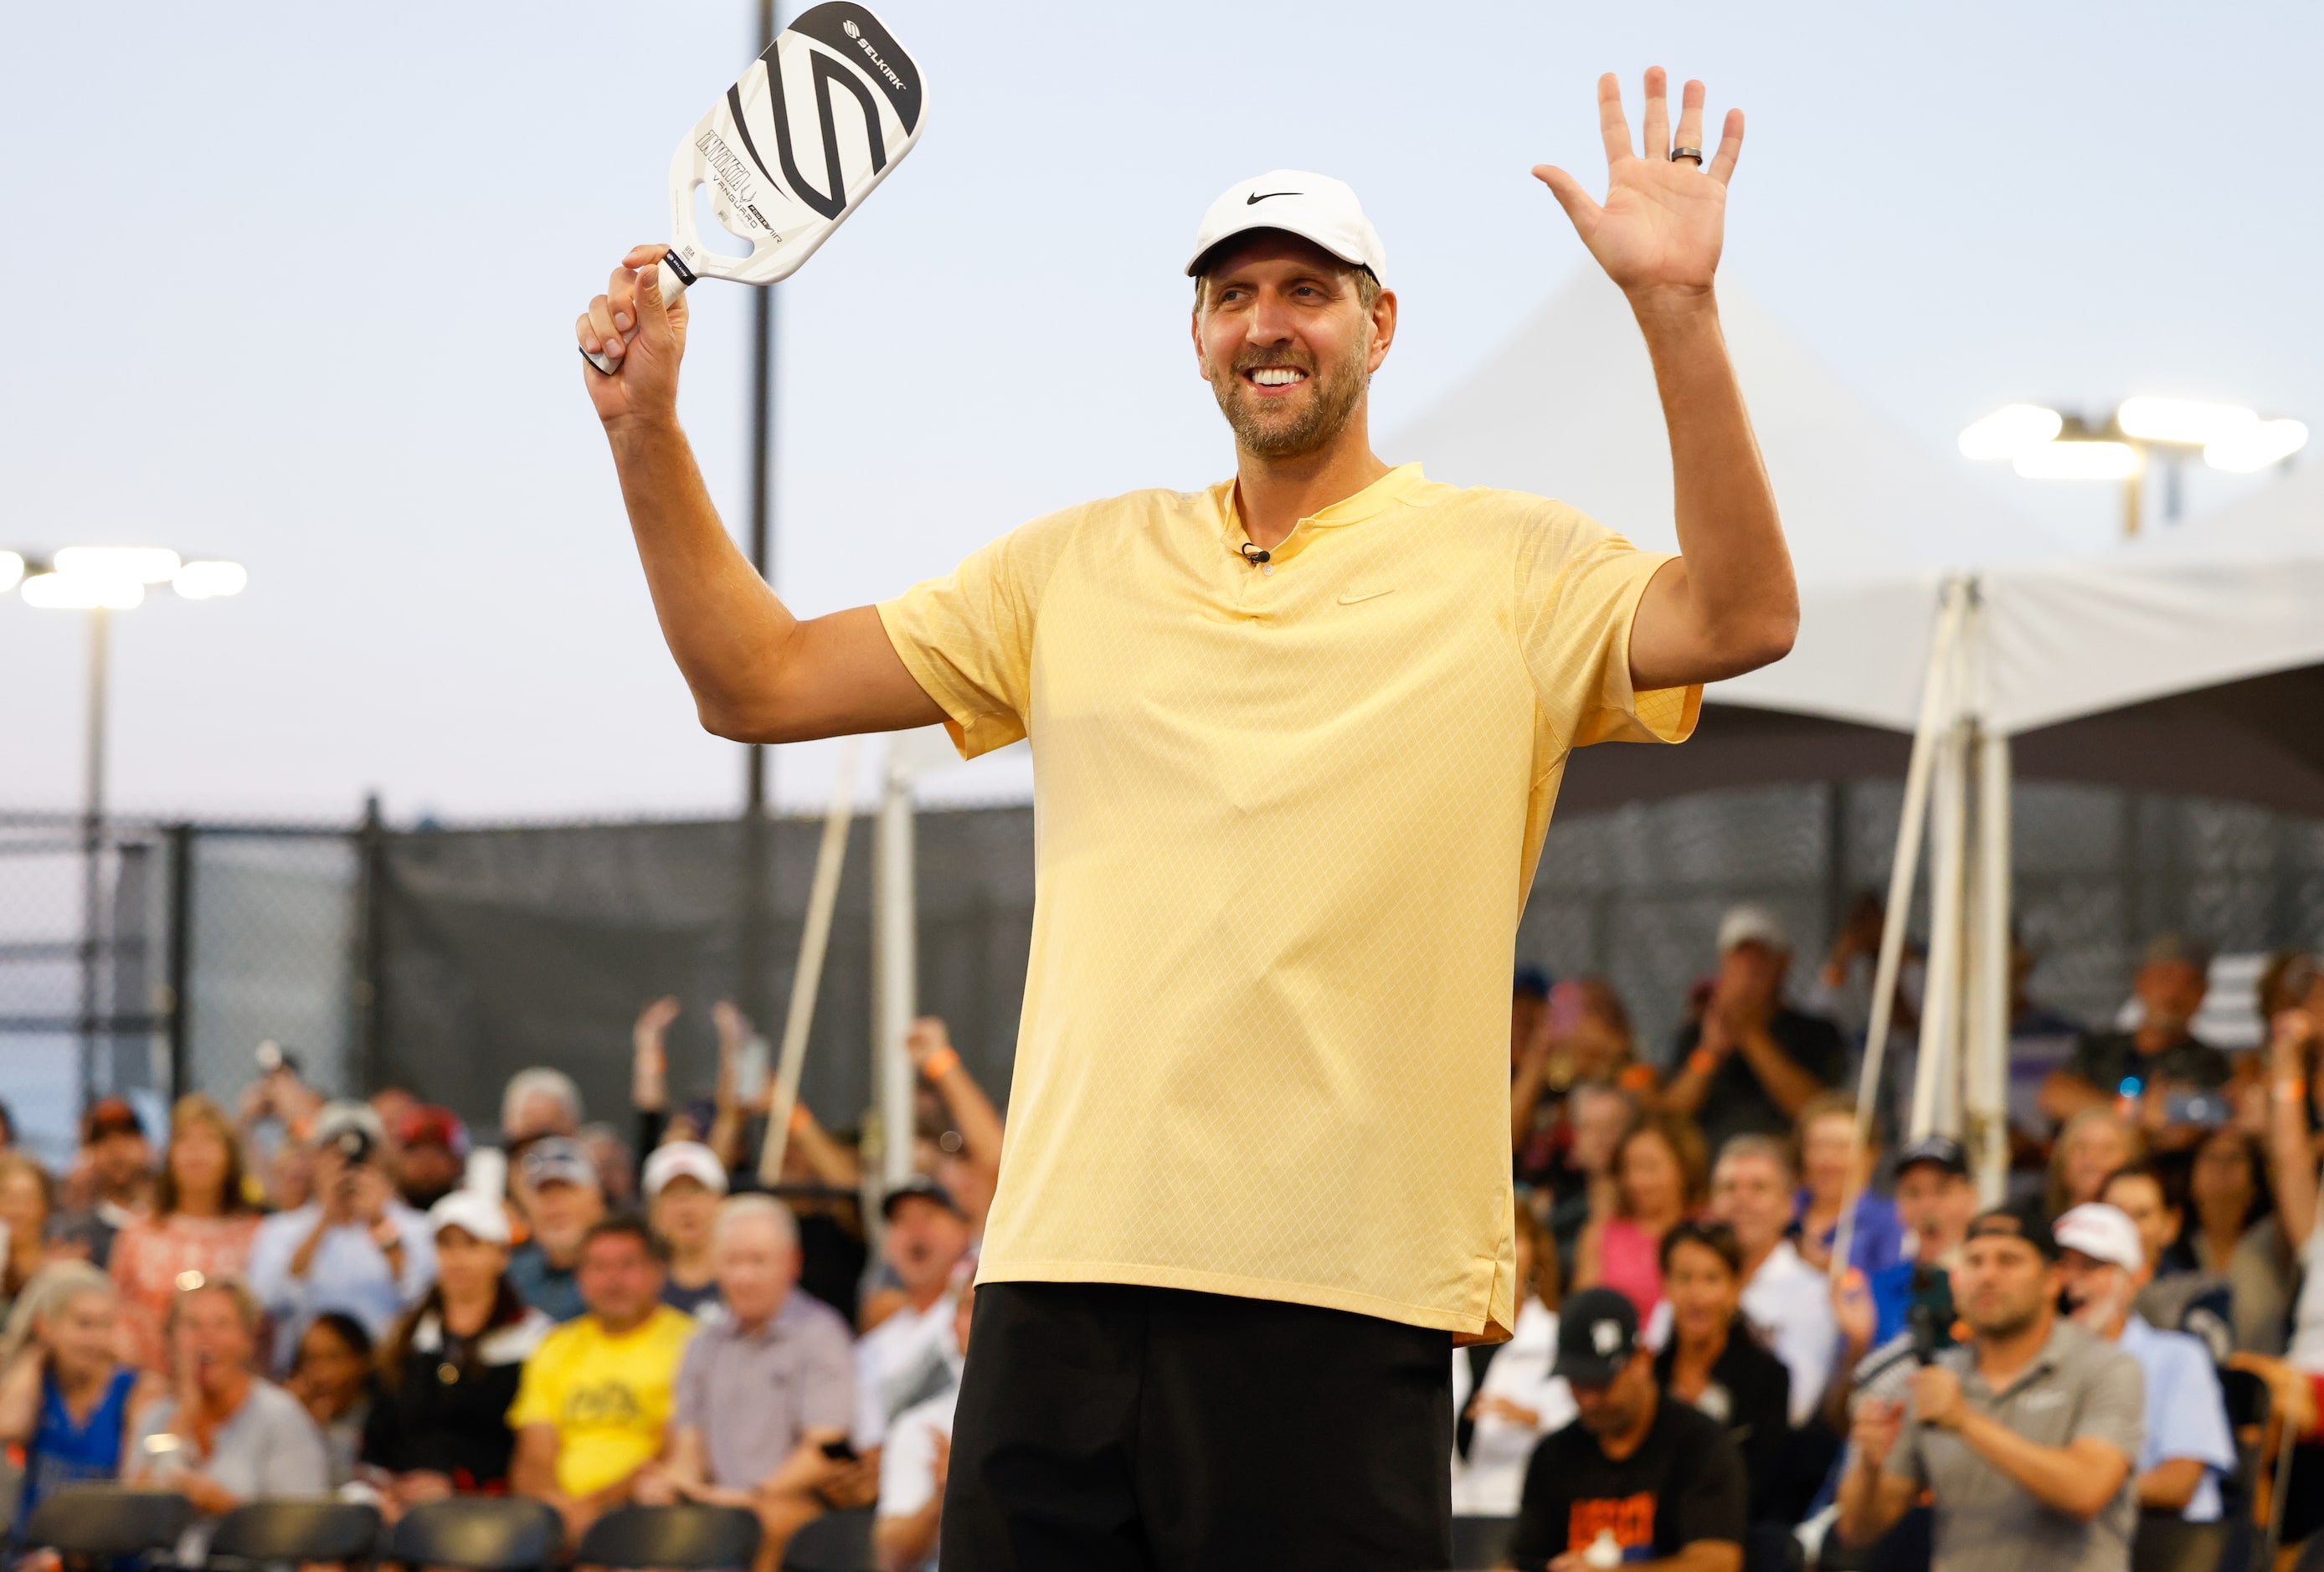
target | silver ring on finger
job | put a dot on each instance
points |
(1687, 152)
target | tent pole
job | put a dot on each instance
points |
(895, 972)
(1940, 1057)
(1988, 1122)
(807, 977)
(1935, 705)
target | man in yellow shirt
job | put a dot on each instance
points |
(1296, 740)
(593, 1404)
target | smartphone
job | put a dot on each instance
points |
(2204, 1109)
(840, 1451)
(751, 1071)
(164, 1456)
(487, 1171)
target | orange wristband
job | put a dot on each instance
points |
(1701, 1062)
(800, 1118)
(939, 1064)
(2292, 1088)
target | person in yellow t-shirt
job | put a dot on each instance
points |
(593, 1406)
(1295, 740)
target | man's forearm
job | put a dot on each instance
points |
(722, 623)
(1864, 1507)
(2063, 1095)
(2170, 1485)
(1687, 1089)
(1788, 1085)
(2067, 1479)
(1735, 589)
(905, 1540)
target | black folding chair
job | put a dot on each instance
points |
(479, 1533)
(264, 1533)
(2169, 1543)
(837, 1541)
(687, 1537)
(94, 1523)
(1479, 1541)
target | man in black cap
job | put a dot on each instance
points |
(2025, 1435)
(1633, 1479)
(1936, 1198)
(910, 1356)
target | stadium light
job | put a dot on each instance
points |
(2010, 431)
(2077, 461)
(2182, 420)
(142, 565)
(2048, 445)
(2254, 448)
(100, 580)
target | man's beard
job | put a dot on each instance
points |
(2010, 1322)
(1336, 394)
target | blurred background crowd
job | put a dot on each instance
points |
(296, 1295)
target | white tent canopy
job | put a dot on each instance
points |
(1568, 409)
(2159, 664)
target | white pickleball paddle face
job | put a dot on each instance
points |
(794, 147)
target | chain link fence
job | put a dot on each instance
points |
(444, 959)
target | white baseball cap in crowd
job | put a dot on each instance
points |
(1313, 206)
(691, 1158)
(2102, 1233)
(1750, 924)
(474, 1213)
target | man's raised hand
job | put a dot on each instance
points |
(643, 385)
(1661, 224)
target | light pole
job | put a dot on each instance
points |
(100, 580)
(2043, 444)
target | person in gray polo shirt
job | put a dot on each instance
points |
(2025, 1435)
(769, 1381)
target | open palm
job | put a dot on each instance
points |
(1662, 222)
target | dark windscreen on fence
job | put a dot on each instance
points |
(509, 947)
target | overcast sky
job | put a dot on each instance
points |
(294, 284)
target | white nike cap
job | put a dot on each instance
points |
(2102, 1233)
(1311, 207)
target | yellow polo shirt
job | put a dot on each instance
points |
(610, 1398)
(1286, 821)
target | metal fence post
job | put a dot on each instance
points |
(370, 945)
(181, 955)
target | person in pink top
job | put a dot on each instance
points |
(200, 1228)
(1659, 1172)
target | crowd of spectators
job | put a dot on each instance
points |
(305, 1295)
(2036, 1383)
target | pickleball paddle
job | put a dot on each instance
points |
(792, 149)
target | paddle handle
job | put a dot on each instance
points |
(673, 285)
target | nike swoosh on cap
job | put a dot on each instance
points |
(1366, 595)
(1257, 196)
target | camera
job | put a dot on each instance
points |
(353, 1145)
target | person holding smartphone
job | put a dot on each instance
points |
(355, 1247)
(766, 1391)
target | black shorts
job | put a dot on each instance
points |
(1105, 1426)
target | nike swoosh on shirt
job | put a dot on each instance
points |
(1366, 595)
(1255, 198)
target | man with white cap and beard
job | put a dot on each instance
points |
(1296, 738)
(2188, 1447)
